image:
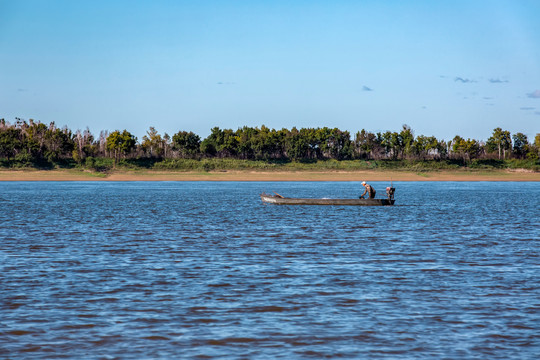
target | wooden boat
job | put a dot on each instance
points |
(280, 200)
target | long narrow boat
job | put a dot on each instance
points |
(280, 200)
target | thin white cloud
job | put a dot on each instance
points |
(463, 80)
(534, 95)
(497, 81)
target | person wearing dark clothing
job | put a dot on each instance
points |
(368, 190)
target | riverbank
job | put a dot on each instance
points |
(237, 175)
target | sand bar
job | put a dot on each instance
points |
(379, 175)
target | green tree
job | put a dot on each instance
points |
(186, 143)
(34, 139)
(296, 145)
(220, 142)
(259, 144)
(420, 146)
(153, 144)
(229, 146)
(10, 142)
(428, 147)
(58, 143)
(521, 145)
(83, 145)
(440, 149)
(120, 143)
(208, 148)
(166, 145)
(245, 138)
(534, 150)
(467, 149)
(339, 144)
(406, 140)
(270, 144)
(364, 144)
(501, 141)
(393, 144)
(385, 139)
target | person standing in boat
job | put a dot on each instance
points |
(368, 190)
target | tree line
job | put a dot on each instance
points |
(34, 142)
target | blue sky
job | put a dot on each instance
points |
(442, 67)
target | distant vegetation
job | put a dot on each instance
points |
(34, 144)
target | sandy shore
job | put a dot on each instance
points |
(78, 175)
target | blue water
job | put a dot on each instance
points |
(131, 270)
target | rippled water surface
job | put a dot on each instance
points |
(205, 270)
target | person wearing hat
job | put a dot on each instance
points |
(368, 190)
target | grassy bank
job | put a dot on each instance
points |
(247, 175)
(107, 165)
(244, 170)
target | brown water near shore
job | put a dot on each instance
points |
(234, 175)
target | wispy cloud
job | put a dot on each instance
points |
(225, 83)
(463, 80)
(498, 81)
(527, 108)
(534, 95)
(365, 88)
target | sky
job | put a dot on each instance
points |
(444, 68)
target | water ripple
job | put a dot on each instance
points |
(204, 270)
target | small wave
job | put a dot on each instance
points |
(32, 348)
(110, 299)
(66, 262)
(350, 301)
(108, 340)
(325, 293)
(20, 332)
(264, 309)
(156, 337)
(520, 327)
(236, 340)
(269, 308)
(119, 251)
(219, 285)
(501, 336)
(279, 276)
(162, 282)
(204, 321)
(13, 305)
(150, 320)
(197, 309)
(87, 316)
(347, 302)
(276, 235)
(77, 326)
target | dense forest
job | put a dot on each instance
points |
(35, 144)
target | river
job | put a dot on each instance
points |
(129, 270)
